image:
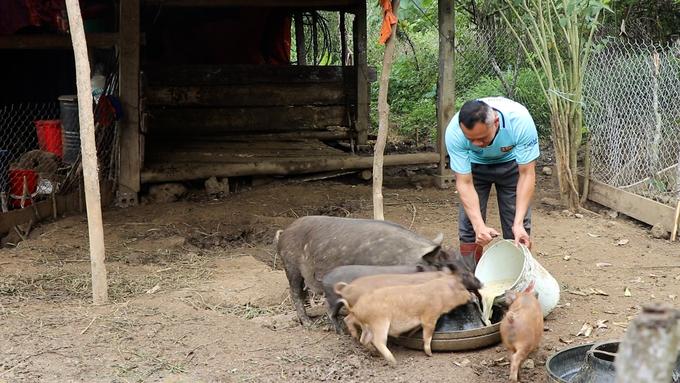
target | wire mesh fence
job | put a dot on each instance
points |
(40, 149)
(631, 92)
(490, 62)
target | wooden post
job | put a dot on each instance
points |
(384, 119)
(343, 41)
(89, 153)
(361, 62)
(130, 149)
(446, 85)
(649, 349)
(300, 48)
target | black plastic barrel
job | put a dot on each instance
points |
(68, 107)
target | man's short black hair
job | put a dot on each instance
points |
(472, 112)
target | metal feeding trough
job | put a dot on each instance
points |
(460, 329)
(582, 364)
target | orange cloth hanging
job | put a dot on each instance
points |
(388, 19)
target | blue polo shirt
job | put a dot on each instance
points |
(517, 138)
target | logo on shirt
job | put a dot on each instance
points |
(506, 149)
(532, 143)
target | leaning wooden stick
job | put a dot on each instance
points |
(27, 194)
(675, 221)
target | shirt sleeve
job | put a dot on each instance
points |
(526, 149)
(459, 159)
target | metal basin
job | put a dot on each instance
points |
(564, 365)
(460, 329)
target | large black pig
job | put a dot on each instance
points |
(313, 246)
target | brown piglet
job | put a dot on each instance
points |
(353, 291)
(521, 328)
(396, 309)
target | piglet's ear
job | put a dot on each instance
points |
(535, 294)
(510, 296)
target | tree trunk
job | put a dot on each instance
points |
(649, 349)
(384, 116)
(89, 154)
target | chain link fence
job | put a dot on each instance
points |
(631, 92)
(490, 62)
(40, 149)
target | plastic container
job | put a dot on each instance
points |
(504, 260)
(98, 82)
(70, 122)
(16, 185)
(49, 136)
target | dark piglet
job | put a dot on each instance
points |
(349, 273)
(454, 261)
(313, 246)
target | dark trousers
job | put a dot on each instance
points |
(504, 176)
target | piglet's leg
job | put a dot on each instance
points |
(428, 331)
(333, 309)
(351, 322)
(515, 363)
(380, 342)
(366, 336)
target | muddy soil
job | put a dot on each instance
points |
(197, 293)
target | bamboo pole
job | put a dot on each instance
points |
(89, 154)
(384, 117)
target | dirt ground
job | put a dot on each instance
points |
(197, 293)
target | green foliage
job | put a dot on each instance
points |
(413, 76)
(527, 92)
(659, 18)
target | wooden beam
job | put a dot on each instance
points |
(56, 41)
(331, 134)
(292, 94)
(446, 87)
(361, 63)
(213, 75)
(632, 205)
(312, 4)
(300, 47)
(130, 150)
(197, 121)
(203, 171)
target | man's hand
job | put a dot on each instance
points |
(521, 235)
(484, 235)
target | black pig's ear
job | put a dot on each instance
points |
(438, 239)
(453, 267)
(420, 268)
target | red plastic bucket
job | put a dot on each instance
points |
(49, 135)
(16, 185)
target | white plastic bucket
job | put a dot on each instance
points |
(504, 260)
